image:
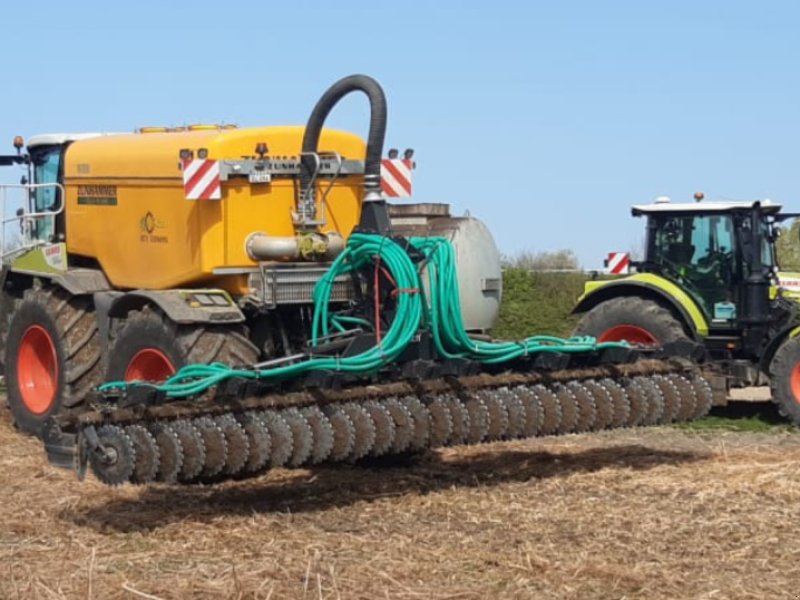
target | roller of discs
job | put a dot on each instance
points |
(704, 397)
(587, 411)
(194, 450)
(569, 408)
(384, 428)
(604, 404)
(117, 464)
(515, 412)
(421, 420)
(688, 402)
(363, 428)
(237, 444)
(146, 451)
(215, 445)
(441, 422)
(258, 441)
(210, 447)
(619, 402)
(672, 400)
(498, 417)
(459, 417)
(344, 433)
(533, 412)
(403, 424)
(654, 400)
(322, 434)
(282, 440)
(478, 419)
(302, 437)
(170, 452)
(551, 409)
(637, 398)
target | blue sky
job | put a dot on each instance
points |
(546, 120)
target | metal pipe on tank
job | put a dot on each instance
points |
(311, 246)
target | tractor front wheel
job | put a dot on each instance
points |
(632, 319)
(52, 355)
(784, 372)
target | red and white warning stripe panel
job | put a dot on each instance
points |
(396, 177)
(201, 179)
(618, 263)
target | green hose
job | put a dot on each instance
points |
(440, 313)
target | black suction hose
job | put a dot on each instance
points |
(375, 138)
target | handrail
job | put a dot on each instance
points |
(27, 219)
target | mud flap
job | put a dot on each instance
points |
(61, 448)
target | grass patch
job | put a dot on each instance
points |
(757, 417)
(538, 303)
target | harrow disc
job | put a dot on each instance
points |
(170, 452)
(194, 450)
(116, 464)
(321, 432)
(238, 445)
(403, 425)
(146, 452)
(259, 441)
(280, 435)
(344, 433)
(215, 445)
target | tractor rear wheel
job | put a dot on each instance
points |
(52, 355)
(784, 372)
(147, 346)
(633, 319)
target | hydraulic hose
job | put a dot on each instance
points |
(377, 126)
(440, 314)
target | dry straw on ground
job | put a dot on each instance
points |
(633, 514)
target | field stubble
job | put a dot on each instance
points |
(658, 513)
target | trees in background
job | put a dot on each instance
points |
(788, 247)
(557, 260)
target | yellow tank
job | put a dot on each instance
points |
(126, 206)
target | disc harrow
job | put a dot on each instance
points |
(239, 443)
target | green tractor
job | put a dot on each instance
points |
(709, 276)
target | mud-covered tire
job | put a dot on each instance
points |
(148, 331)
(784, 372)
(632, 318)
(62, 328)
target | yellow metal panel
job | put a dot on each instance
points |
(126, 205)
(667, 287)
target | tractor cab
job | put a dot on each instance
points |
(32, 211)
(708, 250)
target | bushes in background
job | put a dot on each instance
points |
(538, 303)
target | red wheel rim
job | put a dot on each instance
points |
(794, 381)
(628, 333)
(37, 370)
(149, 364)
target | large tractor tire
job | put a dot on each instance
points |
(52, 355)
(784, 371)
(633, 319)
(149, 347)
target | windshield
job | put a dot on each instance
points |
(699, 251)
(682, 242)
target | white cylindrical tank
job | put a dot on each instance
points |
(480, 279)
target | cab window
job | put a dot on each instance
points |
(46, 167)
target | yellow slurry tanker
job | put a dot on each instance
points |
(209, 302)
